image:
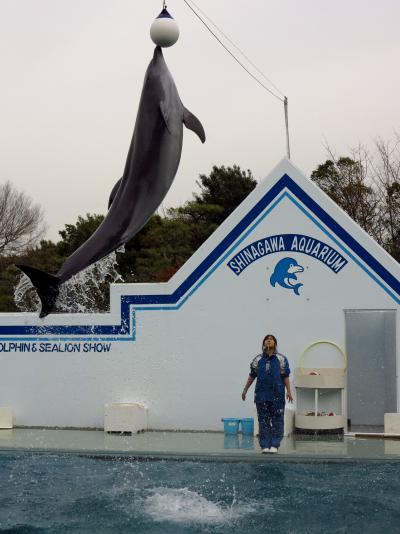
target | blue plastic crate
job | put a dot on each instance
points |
(248, 426)
(231, 425)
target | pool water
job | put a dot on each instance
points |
(65, 493)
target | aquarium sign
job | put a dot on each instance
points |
(287, 243)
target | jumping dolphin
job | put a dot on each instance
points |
(284, 273)
(150, 168)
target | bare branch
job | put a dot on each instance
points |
(367, 187)
(21, 221)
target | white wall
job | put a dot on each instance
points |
(190, 359)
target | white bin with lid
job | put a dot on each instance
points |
(125, 417)
(6, 418)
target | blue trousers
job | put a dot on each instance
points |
(270, 423)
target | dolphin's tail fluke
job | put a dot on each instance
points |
(272, 279)
(46, 285)
(296, 288)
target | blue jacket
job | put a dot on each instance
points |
(270, 373)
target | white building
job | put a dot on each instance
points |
(183, 348)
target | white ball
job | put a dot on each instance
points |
(164, 31)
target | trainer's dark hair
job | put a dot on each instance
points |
(273, 337)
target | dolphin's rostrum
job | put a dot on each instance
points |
(151, 166)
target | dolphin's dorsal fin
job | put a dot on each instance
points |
(165, 114)
(193, 123)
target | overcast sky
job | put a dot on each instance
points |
(72, 73)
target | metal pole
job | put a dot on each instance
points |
(285, 104)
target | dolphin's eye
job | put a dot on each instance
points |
(291, 265)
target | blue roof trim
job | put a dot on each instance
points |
(335, 227)
(345, 250)
(126, 328)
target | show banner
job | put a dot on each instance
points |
(10, 346)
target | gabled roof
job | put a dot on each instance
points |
(285, 181)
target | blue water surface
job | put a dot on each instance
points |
(42, 493)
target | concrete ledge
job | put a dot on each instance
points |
(375, 435)
(197, 446)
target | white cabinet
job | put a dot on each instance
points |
(320, 401)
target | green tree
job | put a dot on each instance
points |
(367, 186)
(392, 219)
(226, 187)
(74, 235)
(8, 279)
(385, 168)
(346, 182)
(164, 248)
(128, 260)
(199, 220)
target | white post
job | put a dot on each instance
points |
(285, 104)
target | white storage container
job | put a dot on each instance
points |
(6, 419)
(392, 423)
(125, 417)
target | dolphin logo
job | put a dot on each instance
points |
(285, 273)
(151, 165)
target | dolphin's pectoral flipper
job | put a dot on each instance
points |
(165, 113)
(193, 123)
(114, 192)
(46, 285)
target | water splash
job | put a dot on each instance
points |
(86, 292)
(186, 506)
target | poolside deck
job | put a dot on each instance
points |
(211, 446)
